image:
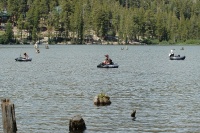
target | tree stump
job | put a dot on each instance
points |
(102, 99)
(77, 124)
(8, 116)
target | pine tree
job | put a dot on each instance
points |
(8, 34)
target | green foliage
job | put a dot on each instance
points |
(34, 34)
(197, 42)
(13, 7)
(147, 41)
(2, 39)
(103, 95)
(111, 33)
(8, 37)
(155, 41)
(169, 21)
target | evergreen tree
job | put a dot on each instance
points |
(3, 4)
(13, 7)
(34, 34)
(20, 24)
(65, 16)
(8, 33)
(164, 20)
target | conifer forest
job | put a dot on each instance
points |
(146, 21)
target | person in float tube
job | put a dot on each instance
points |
(172, 53)
(26, 56)
(107, 61)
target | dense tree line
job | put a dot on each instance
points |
(130, 20)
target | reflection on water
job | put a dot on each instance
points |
(61, 82)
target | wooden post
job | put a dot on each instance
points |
(8, 116)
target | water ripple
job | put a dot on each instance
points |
(55, 86)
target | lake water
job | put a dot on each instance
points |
(62, 81)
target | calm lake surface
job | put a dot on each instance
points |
(62, 81)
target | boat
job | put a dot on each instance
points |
(177, 57)
(21, 59)
(113, 65)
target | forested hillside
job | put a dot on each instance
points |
(149, 21)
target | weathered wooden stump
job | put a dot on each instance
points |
(77, 124)
(8, 116)
(102, 99)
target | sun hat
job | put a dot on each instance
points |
(106, 55)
